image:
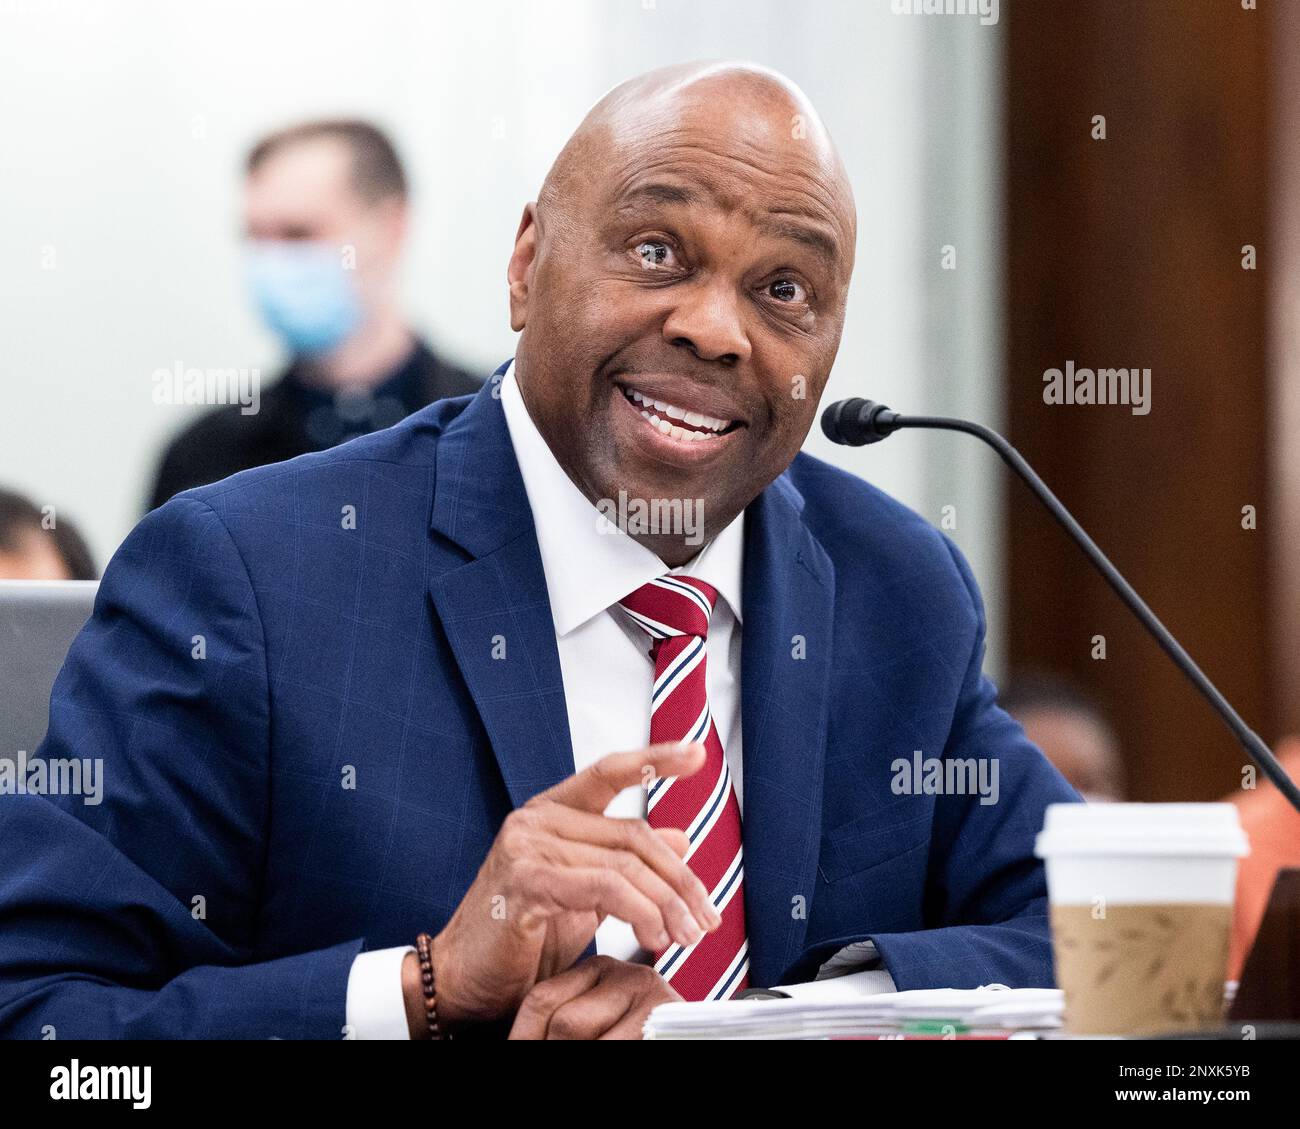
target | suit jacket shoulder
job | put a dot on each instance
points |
(873, 538)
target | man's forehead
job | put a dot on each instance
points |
(721, 118)
(309, 157)
(690, 175)
(728, 138)
(307, 175)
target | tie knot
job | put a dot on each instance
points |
(671, 606)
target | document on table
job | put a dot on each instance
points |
(826, 1010)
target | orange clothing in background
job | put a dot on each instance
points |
(1274, 830)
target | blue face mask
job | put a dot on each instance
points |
(303, 293)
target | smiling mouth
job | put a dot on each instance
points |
(678, 423)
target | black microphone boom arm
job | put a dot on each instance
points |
(856, 422)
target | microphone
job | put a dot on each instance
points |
(857, 422)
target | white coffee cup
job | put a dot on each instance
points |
(1141, 900)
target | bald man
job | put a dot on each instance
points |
(560, 701)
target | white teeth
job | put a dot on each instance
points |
(679, 433)
(672, 411)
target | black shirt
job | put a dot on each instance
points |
(295, 417)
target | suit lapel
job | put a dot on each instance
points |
(494, 606)
(785, 665)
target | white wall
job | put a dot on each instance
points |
(124, 126)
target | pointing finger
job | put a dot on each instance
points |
(595, 786)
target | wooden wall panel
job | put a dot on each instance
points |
(1127, 252)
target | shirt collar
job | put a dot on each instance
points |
(587, 570)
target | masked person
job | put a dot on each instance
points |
(326, 214)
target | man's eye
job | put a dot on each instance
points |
(787, 290)
(654, 253)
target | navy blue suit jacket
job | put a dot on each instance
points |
(253, 652)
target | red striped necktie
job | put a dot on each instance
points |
(674, 611)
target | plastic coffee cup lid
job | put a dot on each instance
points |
(1194, 830)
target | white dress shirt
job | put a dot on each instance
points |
(605, 663)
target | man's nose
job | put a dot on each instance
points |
(706, 320)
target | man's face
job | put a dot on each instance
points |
(696, 281)
(304, 192)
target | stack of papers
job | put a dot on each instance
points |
(941, 1013)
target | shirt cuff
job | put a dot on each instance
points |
(376, 1008)
(852, 972)
(852, 986)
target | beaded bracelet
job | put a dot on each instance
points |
(423, 948)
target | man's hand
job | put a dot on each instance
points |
(557, 868)
(602, 998)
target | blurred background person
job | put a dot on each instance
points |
(1072, 732)
(326, 218)
(36, 547)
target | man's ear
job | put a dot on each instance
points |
(519, 274)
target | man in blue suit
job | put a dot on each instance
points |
(380, 691)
